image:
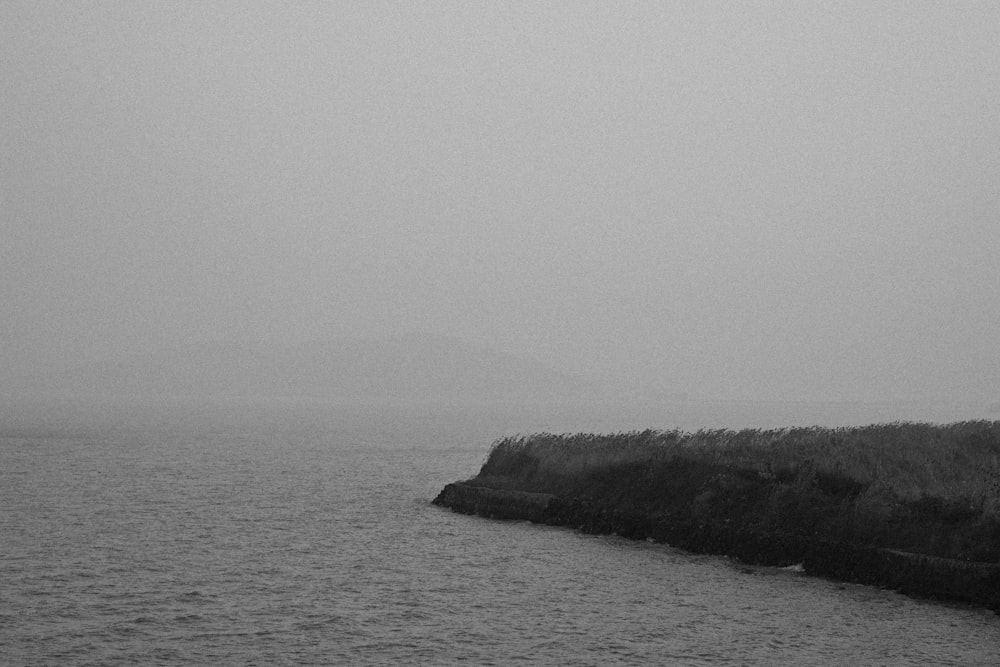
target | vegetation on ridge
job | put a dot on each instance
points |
(932, 489)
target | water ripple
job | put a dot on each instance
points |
(205, 549)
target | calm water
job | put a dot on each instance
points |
(290, 536)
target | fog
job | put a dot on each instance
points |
(793, 201)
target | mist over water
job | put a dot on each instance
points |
(304, 536)
(394, 419)
(273, 273)
(733, 202)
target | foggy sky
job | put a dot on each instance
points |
(799, 200)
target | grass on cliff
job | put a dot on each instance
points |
(922, 487)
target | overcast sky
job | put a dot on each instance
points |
(795, 200)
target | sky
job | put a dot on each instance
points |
(735, 200)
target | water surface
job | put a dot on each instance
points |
(262, 539)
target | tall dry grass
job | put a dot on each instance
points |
(908, 460)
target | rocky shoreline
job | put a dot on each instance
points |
(918, 575)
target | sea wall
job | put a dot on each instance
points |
(914, 574)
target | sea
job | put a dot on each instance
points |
(295, 532)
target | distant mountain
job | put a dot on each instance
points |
(413, 367)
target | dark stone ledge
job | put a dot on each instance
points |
(913, 574)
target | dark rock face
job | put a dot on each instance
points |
(495, 503)
(913, 574)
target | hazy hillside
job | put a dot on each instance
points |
(406, 367)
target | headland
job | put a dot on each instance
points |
(907, 506)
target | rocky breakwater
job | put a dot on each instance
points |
(768, 498)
